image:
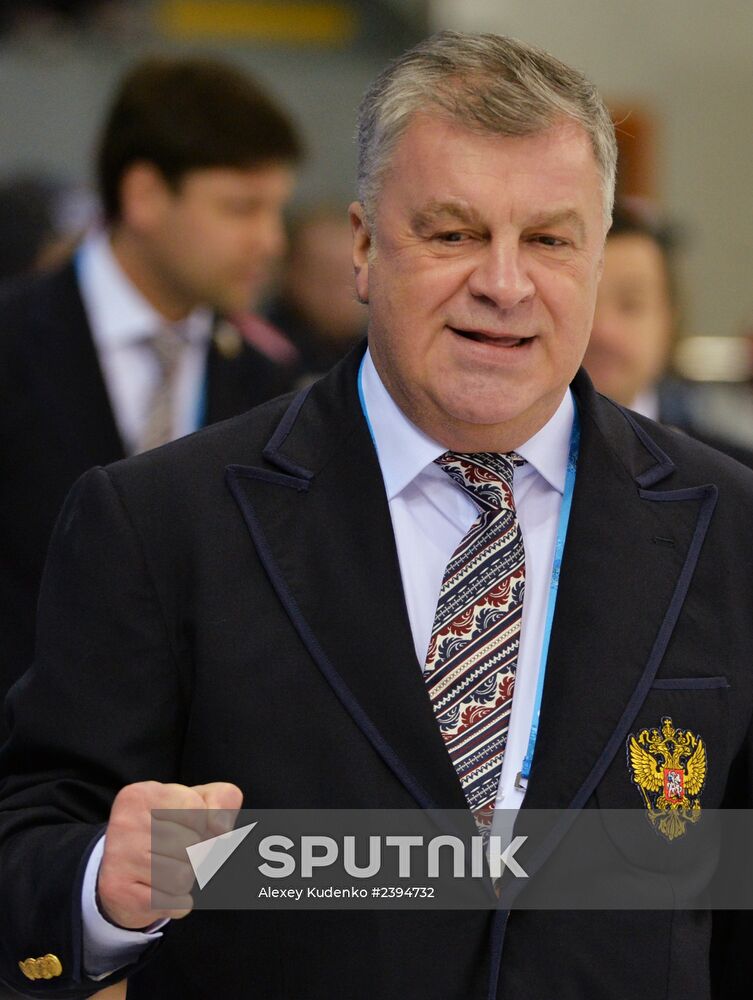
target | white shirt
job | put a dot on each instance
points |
(430, 515)
(647, 404)
(121, 322)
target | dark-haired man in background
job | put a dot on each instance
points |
(124, 347)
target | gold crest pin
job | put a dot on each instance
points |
(227, 339)
(669, 767)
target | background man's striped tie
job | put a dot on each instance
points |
(159, 426)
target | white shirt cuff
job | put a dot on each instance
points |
(107, 947)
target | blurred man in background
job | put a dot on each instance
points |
(125, 347)
(317, 306)
(635, 326)
(636, 314)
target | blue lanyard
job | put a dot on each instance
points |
(362, 401)
(567, 502)
(200, 413)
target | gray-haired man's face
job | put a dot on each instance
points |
(481, 290)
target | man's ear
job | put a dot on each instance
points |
(361, 249)
(144, 196)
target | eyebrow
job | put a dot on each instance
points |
(431, 212)
(567, 217)
(428, 215)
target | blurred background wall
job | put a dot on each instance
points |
(55, 80)
(678, 72)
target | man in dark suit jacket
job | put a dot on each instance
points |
(194, 168)
(258, 640)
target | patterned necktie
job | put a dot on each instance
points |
(473, 652)
(159, 425)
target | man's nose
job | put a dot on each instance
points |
(269, 238)
(502, 276)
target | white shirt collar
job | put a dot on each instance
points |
(647, 404)
(118, 313)
(404, 450)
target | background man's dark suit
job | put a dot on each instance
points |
(675, 411)
(259, 636)
(56, 422)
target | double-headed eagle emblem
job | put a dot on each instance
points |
(669, 767)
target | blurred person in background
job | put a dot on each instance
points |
(635, 327)
(124, 347)
(317, 307)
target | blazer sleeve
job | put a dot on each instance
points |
(102, 706)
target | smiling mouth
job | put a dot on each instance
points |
(484, 338)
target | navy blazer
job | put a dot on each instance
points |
(229, 607)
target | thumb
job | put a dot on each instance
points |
(224, 800)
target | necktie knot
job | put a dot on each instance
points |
(485, 476)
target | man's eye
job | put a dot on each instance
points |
(452, 237)
(549, 241)
(240, 207)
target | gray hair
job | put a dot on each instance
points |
(490, 84)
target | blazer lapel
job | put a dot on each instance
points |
(630, 554)
(320, 520)
(629, 558)
(228, 380)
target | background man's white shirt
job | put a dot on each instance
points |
(121, 321)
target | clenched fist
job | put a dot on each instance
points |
(145, 874)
